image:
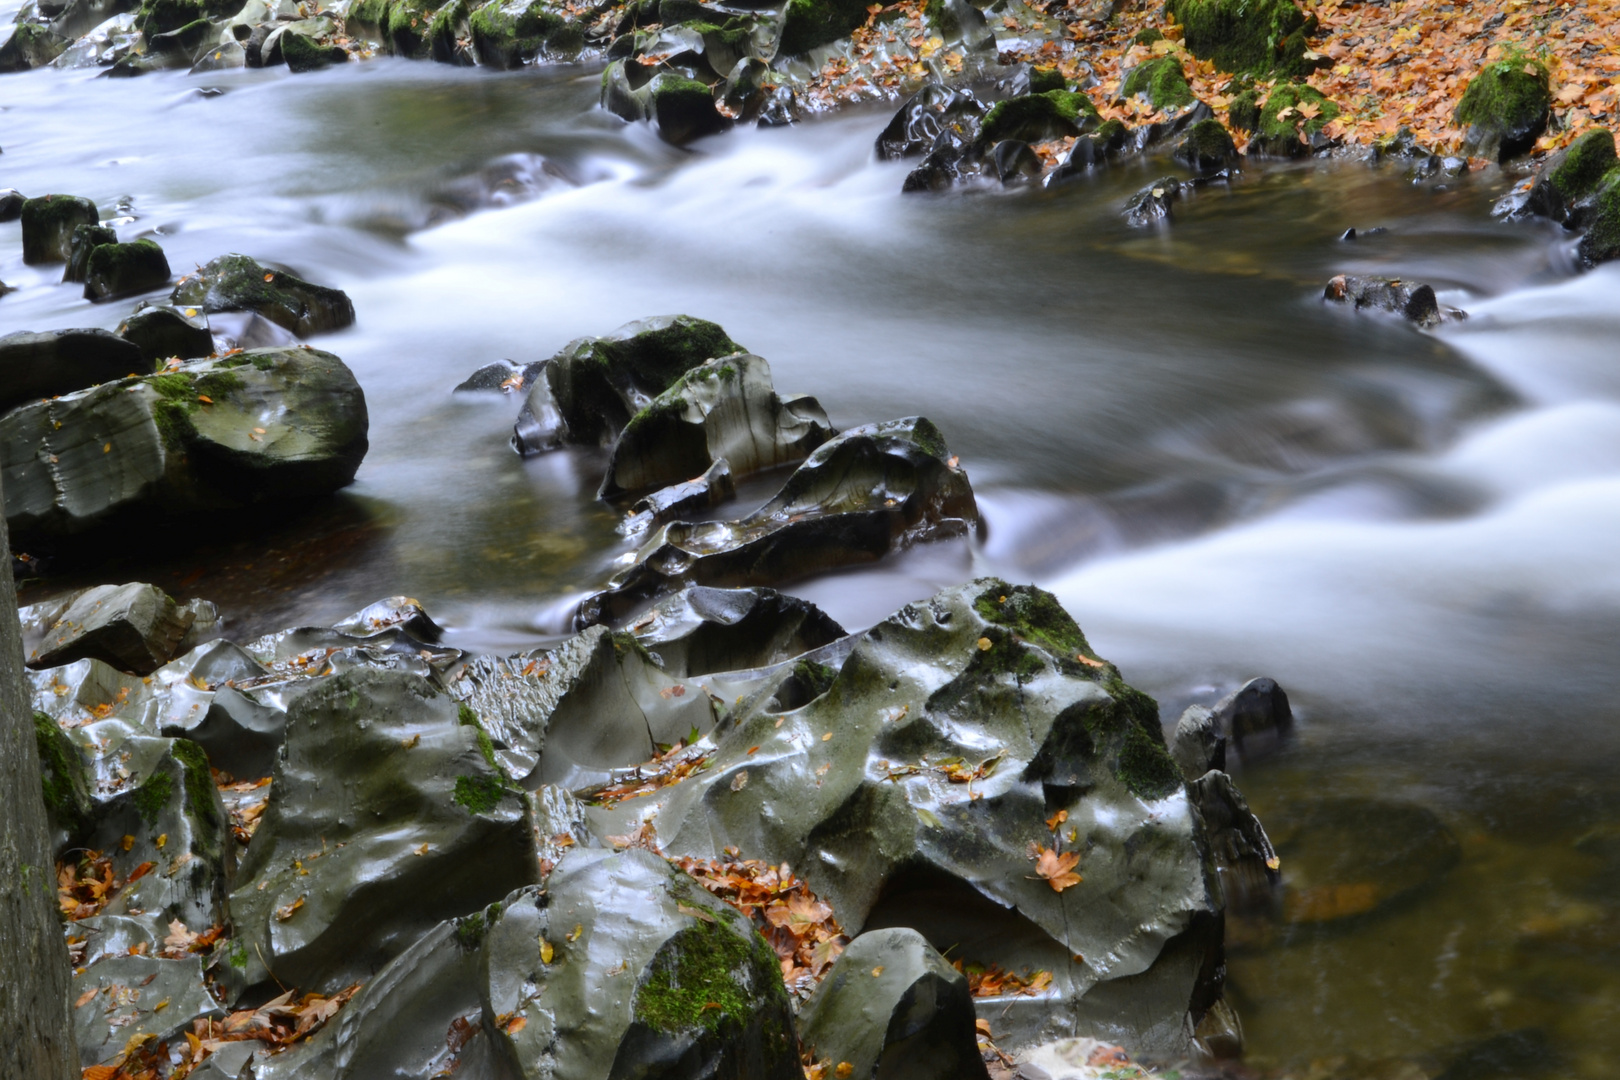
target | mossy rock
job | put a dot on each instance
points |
(66, 783)
(1148, 36)
(84, 239)
(509, 35)
(238, 283)
(683, 109)
(48, 223)
(1243, 112)
(1602, 240)
(1261, 37)
(1045, 79)
(1161, 81)
(367, 15)
(161, 331)
(1580, 170)
(407, 31)
(1207, 147)
(31, 45)
(303, 53)
(156, 17)
(810, 23)
(185, 40)
(1281, 124)
(1036, 117)
(116, 270)
(1505, 108)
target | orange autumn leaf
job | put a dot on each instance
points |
(1058, 870)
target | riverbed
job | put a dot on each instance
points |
(1219, 475)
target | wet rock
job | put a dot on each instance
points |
(135, 628)
(807, 24)
(594, 386)
(503, 376)
(918, 124)
(237, 283)
(1099, 147)
(872, 490)
(688, 497)
(1255, 719)
(29, 45)
(1152, 204)
(1282, 130)
(65, 781)
(699, 631)
(262, 426)
(1412, 301)
(894, 1009)
(11, 204)
(909, 793)
(1161, 83)
(131, 997)
(226, 56)
(80, 243)
(511, 33)
(1565, 182)
(47, 226)
(1038, 117)
(161, 332)
(1207, 147)
(1602, 240)
(181, 43)
(1505, 108)
(597, 702)
(1245, 863)
(303, 53)
(34, 366)
(396, 808)
(726, 408)
(1199, 743)
(1015, 162)
(1246, 36)
(240, 735)
(116, 270)
(681, 108)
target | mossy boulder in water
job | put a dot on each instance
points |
(399, 814)
(807, 24)
(116, 270)
(1505, 108)
(265, 426)
(30, 45)
(682, 108)
(1292, 110)
(726, 409)
(161, 332)
(1053, 114)
(48, 223)
(1602, 240)
(1161, 82)
(1207, 147)
(405, 32)
(511, 33)
(237, 283)
(1261, 37)
(857, 498)
(83, 240)
(34, 366)
(894, 1009)
(303, 53)
(592, 388)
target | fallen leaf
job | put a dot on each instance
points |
(287, 912)
(85, 997)
(877, 971)
(739, 781)
(547, 951)
(127, 842)
(843, 1069)
(1058, 870)
(1056, 819)
(984, 644)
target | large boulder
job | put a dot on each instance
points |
(28, 44)
(34, 366)
(65, 782)
(892, 1008)
(48, 223)
(807, 24)
(511, 33)
(270, 425)
(726, 408)
(592, 388)
(1259, 37)
(237, 283)
(975, 773)
(1505, 108)
(388, 814)
(869, 491)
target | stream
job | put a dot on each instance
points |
(1219, 476)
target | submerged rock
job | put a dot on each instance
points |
(683, 109)
(35, 366)
(1153, 203)
(724, 409)
(1412, 301)
(161, 332)
(270, 425)
(48, 223)
(914, 789)
(893, 1009)
(870, 491)
(592, 388)
(237, 283)
(388, 813)
(1505, 108)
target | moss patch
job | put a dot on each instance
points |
(479, 794)
(199, 781)
(1274, 124)
(1034, 615)
(62, 775)
(702, 978)
(1145, 766)
(152, 796)
(1034, 117)
(1584, 165)
(1602, 240)
(1162, 80)
(468, 718)
(811, 23)
(1510, 95)
(1245, 36)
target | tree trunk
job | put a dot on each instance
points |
(36, 1024)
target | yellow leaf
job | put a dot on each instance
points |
(546, 951)
(877, 971)
(984, 644)
(127, 842)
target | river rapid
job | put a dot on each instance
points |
(1219, 476)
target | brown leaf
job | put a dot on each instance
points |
(1058, 870)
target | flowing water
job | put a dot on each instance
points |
(1413, 533)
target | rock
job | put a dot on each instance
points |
(1161, 83)
(670, 503)
(511, 33)
(66, 784)
(1602, 240)
(34, 366)
(1565, 182)
(1413, 302)
(450, 35)
(725, 408)
(1207, 147)
(595, 703)
(700, 631)
(80, 243)
(30, 45)
(503, 376)
(181, 43)
(1055, 114)
(135, 628)
(1246, 864)
(161, 332)
(858, 497)
(405, 32)
(132, 997)
(116, 270)
(1259, 37)
(1279, 126)
(1108, 142)
(270, 425)
(398, 811)
(682, 109)
(1152, 204)
(303, 53)
(1505, 108)
(11, 204)
(1199, 743)
(918, 124)
(1015, 161)
(1255, 719)
(909, 793)
(47, 226)
(807, 24)
(240, 735)
(237, 283)
(226, 56)
(894, 1009)
(594, 386)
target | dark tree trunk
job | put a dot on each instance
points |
(36, 1024)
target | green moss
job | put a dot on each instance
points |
(236, 955)
(1253, 36)
(468, 718)
(161, 16)
(219, 384)
(152, 796)
(125, 268)
(1034, 615)
(1285, 96)
(1145, 766)
(1035, 117)
(1148, 36)
(199, 781)
(1602, 240)
(816, 677)
(704, 977)
(62, 775)
(808, 24)
(1162, 81)
(1046, 79)
(1243, 113)
(470, 931)
(1512, 94)
(930, 438)
(369, 12)
(303, 53)
(479, 794)
(1584, 165)
(1207, 145)
(407, 28)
